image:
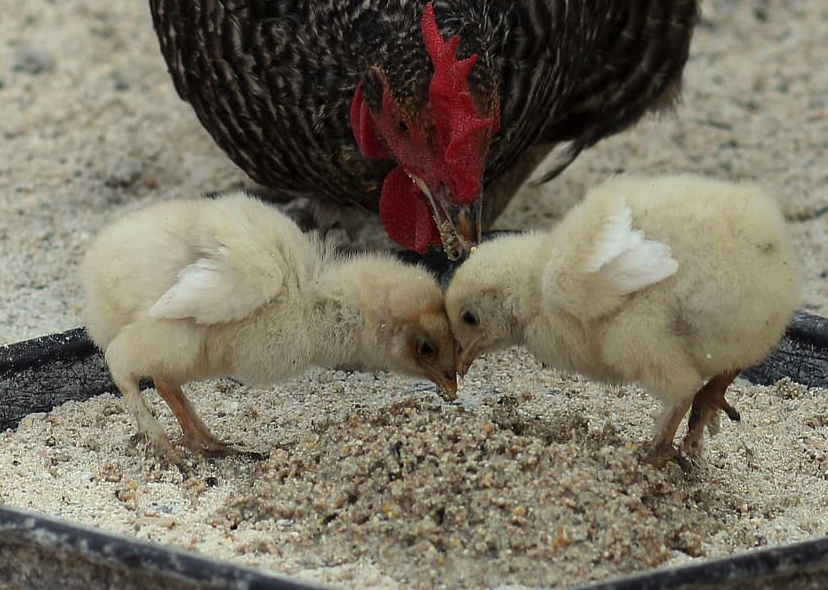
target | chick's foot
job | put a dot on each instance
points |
(211, 447)
(658, 457)
(662, 449)
(704, 412)
(160, 450)
(149, 430)
(197, 437)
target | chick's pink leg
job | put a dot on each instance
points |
(196, 434)
(668, 422)
(673, 381)
(706, 405)
(148, 427)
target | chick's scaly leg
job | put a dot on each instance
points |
(673, 382)
(196, 434)
(148, 427)
(668, 422)
(706, 404)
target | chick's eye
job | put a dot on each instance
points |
(470, 318)
(426, 349)
(402, 127)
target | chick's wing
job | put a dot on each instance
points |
(226, 285)
(596, 259)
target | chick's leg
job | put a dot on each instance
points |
(674, 382)
(196, 434)
(148, 427)
(706, 405)
(668, 422)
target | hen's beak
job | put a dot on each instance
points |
(459, 225)
(465, 219)
(446, 384)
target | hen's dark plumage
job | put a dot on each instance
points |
(274, 81)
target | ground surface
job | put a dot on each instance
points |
(534, 478)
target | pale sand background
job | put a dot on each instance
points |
(535, 478)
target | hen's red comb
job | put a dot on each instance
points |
(461, 131)
(450, 73)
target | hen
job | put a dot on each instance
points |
(431, 114)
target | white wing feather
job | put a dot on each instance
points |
(620, 260)
(625, 258)
(245, 254)
(215, 290)
(237, 275)
(614, 237)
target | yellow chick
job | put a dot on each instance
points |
(665, 281)
(192, 289)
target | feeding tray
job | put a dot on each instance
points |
(37, 551)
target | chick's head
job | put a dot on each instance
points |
(477, 307)
(404, 310)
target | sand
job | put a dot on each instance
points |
(533, 477)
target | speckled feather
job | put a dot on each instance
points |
(273, 81)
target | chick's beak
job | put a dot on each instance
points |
(464, 360)
(458, 224)
(446, 384)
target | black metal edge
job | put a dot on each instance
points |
(809, 328)
(802, 355)
(747, 569)
(39, 374)
(114, 551)
(71, 344)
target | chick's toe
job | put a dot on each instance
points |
(668, 422)
(660, 455)
(158, 448)
(149, 430)
(197, 437)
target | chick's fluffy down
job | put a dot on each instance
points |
(189, 290)
(737, 278)
(665, 281)
(138, 259)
